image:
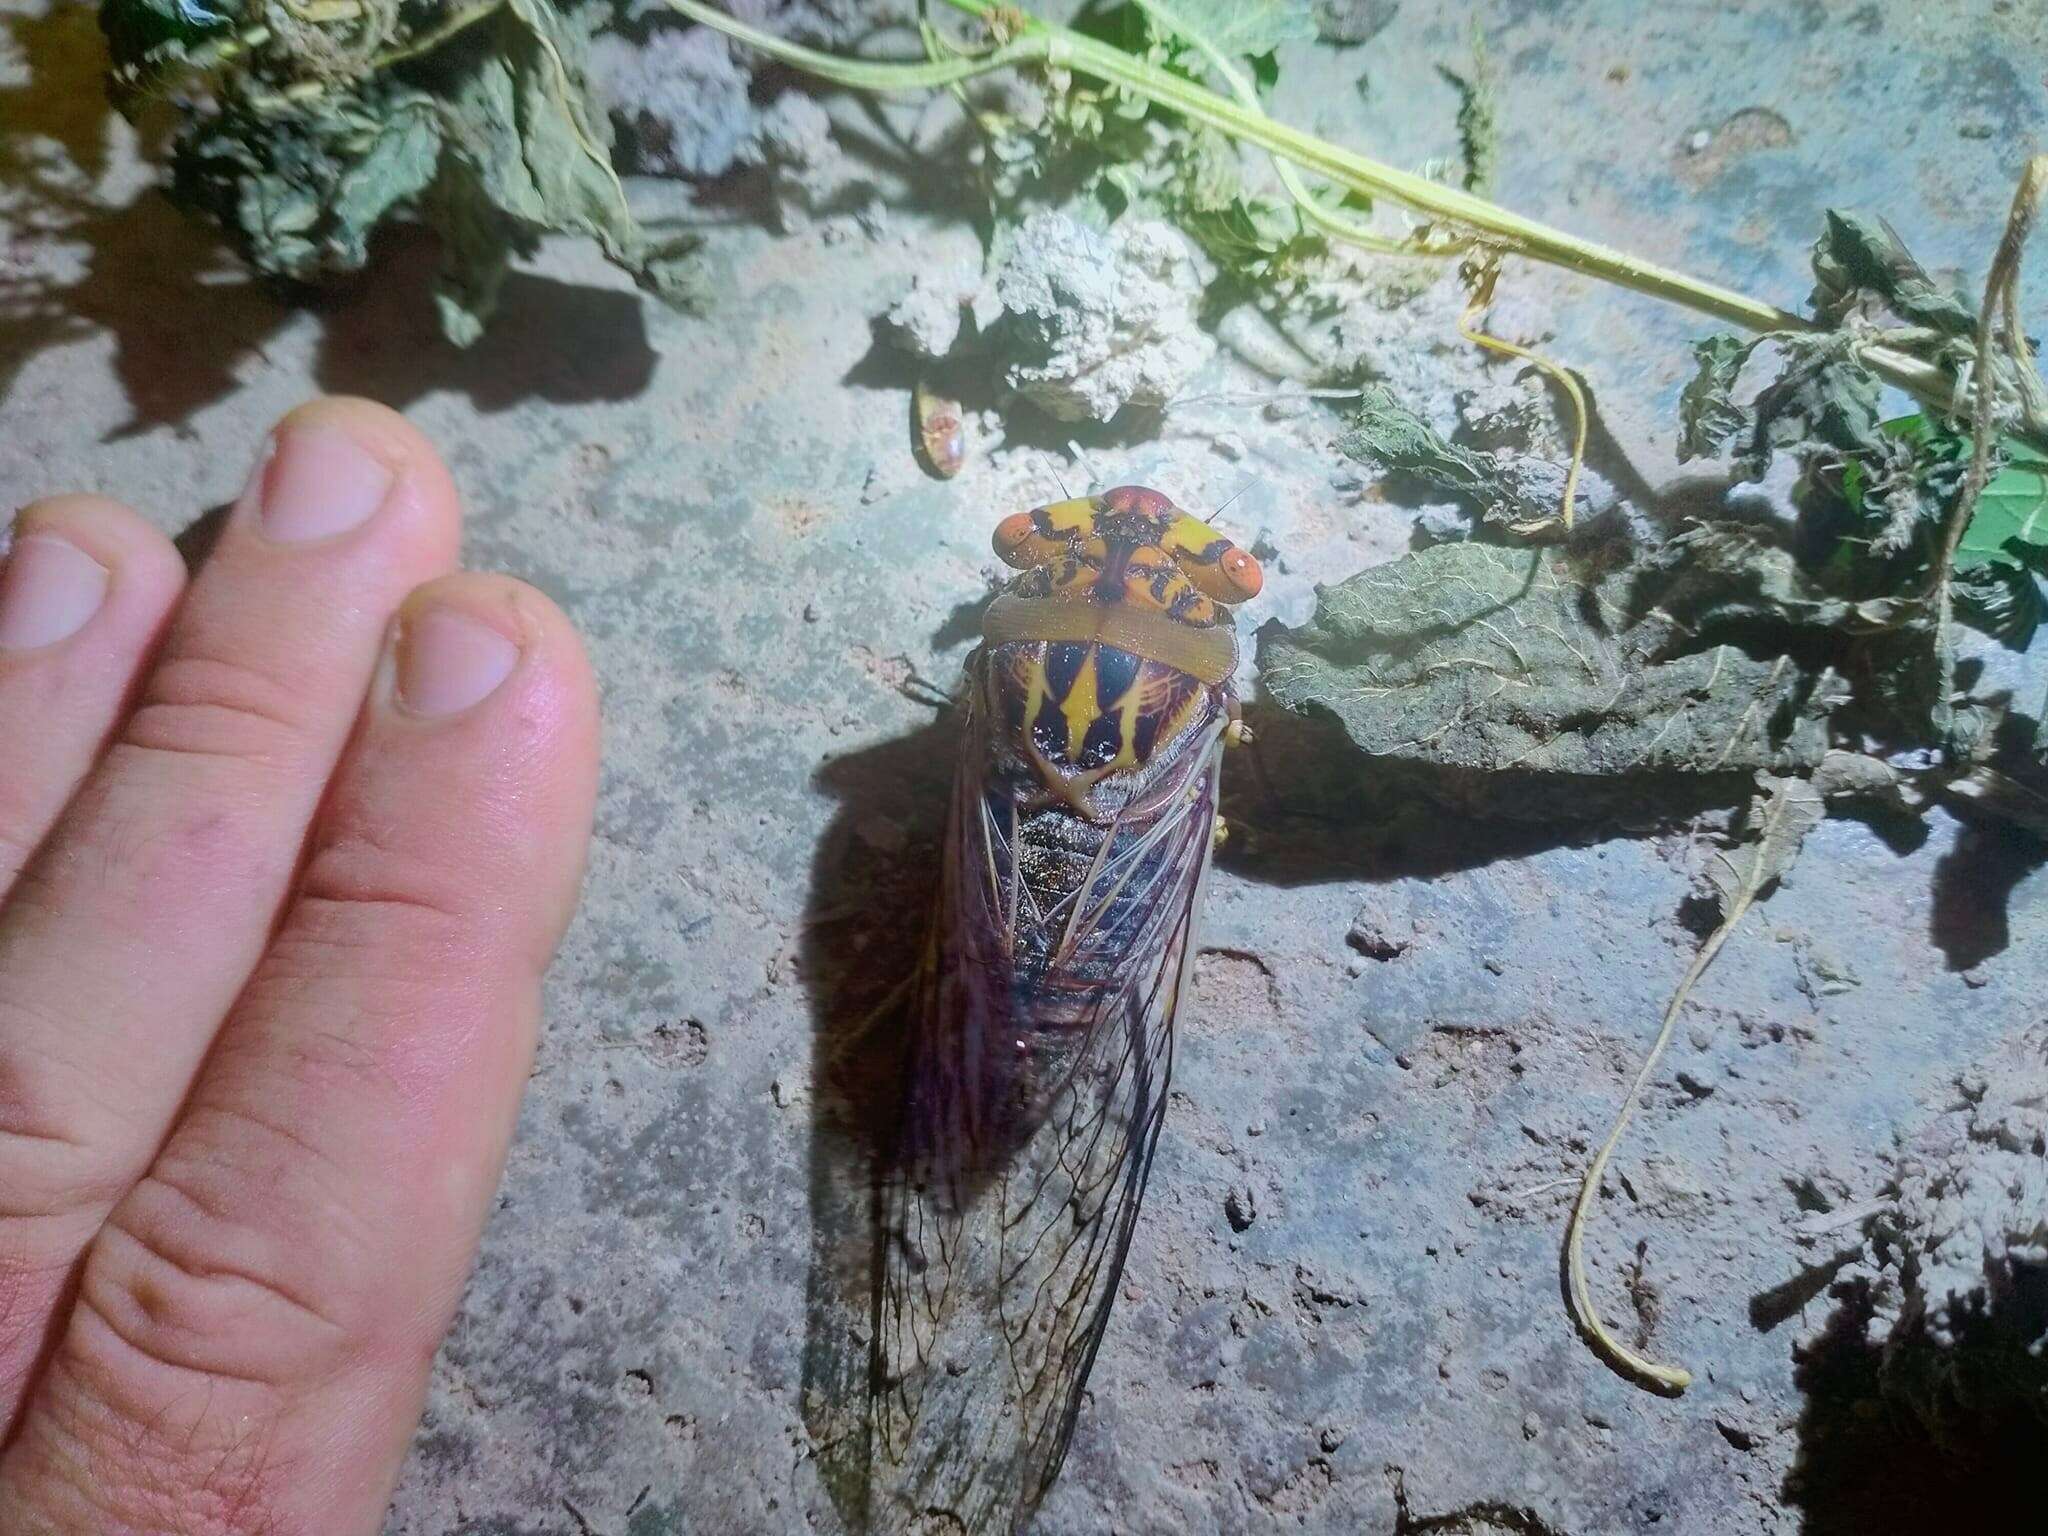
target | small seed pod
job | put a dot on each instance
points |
(941, 435)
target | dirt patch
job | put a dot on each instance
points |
(1705, 155)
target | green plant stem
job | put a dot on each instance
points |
(1057, 47)
(2000, 289)
(426, 42)
(871, 74)
(1335, 225)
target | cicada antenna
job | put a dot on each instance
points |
(1225, 506)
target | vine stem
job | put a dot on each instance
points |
(1058, 47)
(2001, 288)
(1792, 807)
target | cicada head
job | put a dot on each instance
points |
(1116, 639)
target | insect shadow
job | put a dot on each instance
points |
(873, 879)
(874, 876)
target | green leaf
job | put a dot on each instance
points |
(1737, 581)
(399, 163)
(1385, 432)
(2010, 523)
(477, 242)
(522, 120)
(144, 36)
(1784, 810)
(1234, 28)
(2002, 600)
(1249, 236)
(300, 193)
(1824, 398)
(1516, 491)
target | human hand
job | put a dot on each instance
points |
(282, 859)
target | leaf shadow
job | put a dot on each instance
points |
(1973, 886)
(562, 342)
(1871, 1463)
(1305, 807)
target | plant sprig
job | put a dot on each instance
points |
(1462, 214)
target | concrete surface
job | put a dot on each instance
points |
(729, 508)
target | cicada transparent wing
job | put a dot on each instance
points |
(1079, 836)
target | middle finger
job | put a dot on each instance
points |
(127, 938)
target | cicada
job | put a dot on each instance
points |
(1080, 831)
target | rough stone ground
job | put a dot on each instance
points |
(729, 508)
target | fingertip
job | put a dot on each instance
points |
(331, 464)
(399, 444)
(462, 637)
(144, 569)
(488, 686)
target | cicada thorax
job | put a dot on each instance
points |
(1090, 750)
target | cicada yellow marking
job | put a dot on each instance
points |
(1081, 828)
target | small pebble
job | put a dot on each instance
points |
(1240, 1209)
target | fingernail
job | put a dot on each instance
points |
(318, 483)
(448, 661)
(48, 589)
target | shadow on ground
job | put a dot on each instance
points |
(872, 881)
(1886, 1448)
(870, 901)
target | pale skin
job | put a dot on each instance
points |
(285, 846)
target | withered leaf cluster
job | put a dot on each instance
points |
(1498, 669)
(303, 125)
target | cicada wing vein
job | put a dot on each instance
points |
(1041, 1057)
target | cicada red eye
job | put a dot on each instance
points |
(1244, 573)
(1012, 534)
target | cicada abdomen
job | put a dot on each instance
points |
(1082, 820)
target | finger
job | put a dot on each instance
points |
(259, 1315)
(83, 598)
(128, 935)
